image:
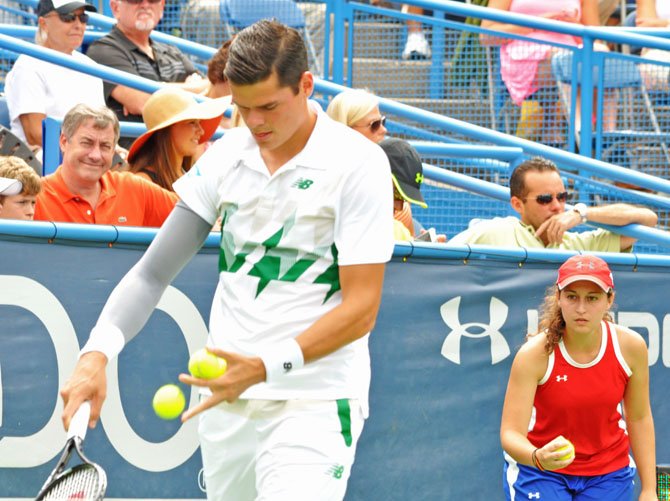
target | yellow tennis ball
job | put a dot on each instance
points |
(569, 449)
(206, 365)
(169, 401)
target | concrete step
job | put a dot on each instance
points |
(377, 39)
(474, 111)
(406, 79)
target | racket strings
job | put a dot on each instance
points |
(81, 483)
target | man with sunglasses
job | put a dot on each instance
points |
(35, 88)
(538, 194)
(128, 47)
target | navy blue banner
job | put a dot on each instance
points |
(441, 354)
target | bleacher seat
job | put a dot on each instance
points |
(238, 14)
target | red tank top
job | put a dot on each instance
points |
(582, 403)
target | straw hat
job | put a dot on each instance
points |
(169, 106)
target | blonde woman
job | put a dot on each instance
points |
(359, 109)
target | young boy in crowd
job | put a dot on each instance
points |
(18, 202)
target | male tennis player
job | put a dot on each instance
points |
(306, 212)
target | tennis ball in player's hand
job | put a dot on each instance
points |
(169, 401)
(569, 451)
(206, 365)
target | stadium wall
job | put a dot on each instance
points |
(441, 353)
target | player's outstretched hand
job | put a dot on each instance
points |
(242, 372)
(87, 382)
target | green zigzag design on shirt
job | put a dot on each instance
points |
(275, 260)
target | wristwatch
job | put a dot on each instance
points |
(581, 209)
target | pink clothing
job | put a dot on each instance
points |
(520, 59)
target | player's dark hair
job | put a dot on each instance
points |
(552, 322)
(265, 47)
(517, 182)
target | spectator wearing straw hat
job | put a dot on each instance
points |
(84, 189)
(539, 196)
(177, 128)
(35, 88)
(407, 174)
(128, 47)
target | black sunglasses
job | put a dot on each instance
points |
(69, 18)
(547, 198)
(137, 2)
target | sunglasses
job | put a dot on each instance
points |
(547, 198)
(137, 2)
(69, 18)
(375, 124)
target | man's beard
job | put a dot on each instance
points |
(147, 25)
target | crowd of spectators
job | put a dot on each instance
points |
(178, 128)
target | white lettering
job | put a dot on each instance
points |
(647, 321)
(177, 449)
(41, 447)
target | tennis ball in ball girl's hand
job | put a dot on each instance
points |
(169, 401)
(569, 451)
(205, 365)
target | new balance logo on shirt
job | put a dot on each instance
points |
(302, 184)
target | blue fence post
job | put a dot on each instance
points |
(436, 78)
(339, 19)
(50, 147)
(106, 8)
(586, 95)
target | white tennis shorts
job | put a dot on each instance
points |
(268, 450)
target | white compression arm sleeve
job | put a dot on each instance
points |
(133, 300)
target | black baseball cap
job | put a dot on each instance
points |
(62, 6)
(406, 169)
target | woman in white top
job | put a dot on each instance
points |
(35, 88)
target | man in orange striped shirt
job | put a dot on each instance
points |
(84, 189)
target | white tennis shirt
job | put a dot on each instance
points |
(284, 237)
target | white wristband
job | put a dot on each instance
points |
(106, 339)
(281, 359)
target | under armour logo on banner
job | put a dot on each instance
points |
(451, 347)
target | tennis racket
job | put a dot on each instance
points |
(85, 481)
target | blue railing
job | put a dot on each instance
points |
(511, 152)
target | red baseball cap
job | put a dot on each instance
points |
(585, 267)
